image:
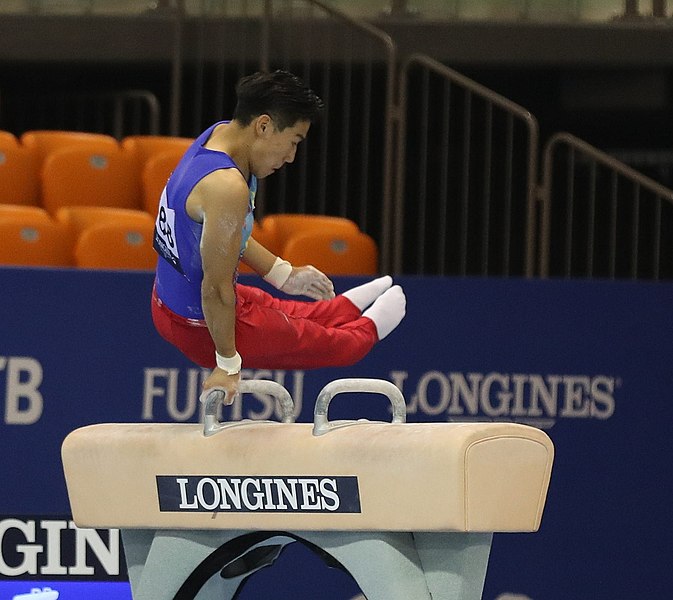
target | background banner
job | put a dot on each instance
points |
(588, 361)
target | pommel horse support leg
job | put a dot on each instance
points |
(407, 509)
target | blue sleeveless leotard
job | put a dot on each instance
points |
(177, 237)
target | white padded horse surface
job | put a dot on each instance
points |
(407, 509)
(465, 477)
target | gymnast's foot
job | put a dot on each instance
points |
(363, 295)
(387, 311)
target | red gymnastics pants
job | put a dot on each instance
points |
(272, 333)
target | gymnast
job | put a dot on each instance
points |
(203, 229)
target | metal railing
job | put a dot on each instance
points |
(117, 113)
(345, 167)
(439, 169)
(601, 218)
(466, 173)
(353, 170)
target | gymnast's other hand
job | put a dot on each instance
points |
(220, 379)
(309, 281)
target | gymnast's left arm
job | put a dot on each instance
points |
(257, 257)
(306, 280)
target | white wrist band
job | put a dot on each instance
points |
(279, 273)
(231, 365)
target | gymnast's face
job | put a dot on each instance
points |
(274, 147)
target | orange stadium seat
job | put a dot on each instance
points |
(334, 252)
(8, 139)
(116, 246)
(38, 243)
(19, 173)
(155, 174)
(78, 218)
(24, 213)
(144, 147)
(43, 141)
(84, 176)
(278, 228)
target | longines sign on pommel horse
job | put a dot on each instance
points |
(407, 509)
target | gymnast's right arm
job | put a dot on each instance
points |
(221, 199)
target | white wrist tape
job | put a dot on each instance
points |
(279, 273)
(231, 365)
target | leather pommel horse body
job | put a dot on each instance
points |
(407, 509)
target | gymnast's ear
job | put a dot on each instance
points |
(263, 125)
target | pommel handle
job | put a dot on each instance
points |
(211, 423)
(322, 425)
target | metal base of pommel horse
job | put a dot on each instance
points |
(407, 509)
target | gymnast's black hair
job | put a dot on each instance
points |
(280, 94)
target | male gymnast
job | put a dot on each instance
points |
(203, 229)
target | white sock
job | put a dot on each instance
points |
(363, 295)
(387, 311)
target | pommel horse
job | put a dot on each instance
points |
(407, 509)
